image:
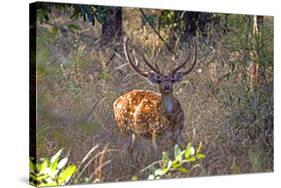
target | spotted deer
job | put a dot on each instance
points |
(146, 113)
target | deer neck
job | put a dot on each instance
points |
(167, 103)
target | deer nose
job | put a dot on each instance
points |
(167, 87)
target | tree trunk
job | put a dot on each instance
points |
(193, 22)
(112, 26)
(257, 74)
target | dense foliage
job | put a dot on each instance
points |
(180, 163)
(51, 172)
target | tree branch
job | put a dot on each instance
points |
(157, 33)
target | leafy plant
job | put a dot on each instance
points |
(51, 172)
(182, 158)
(170, 19)
(89, 13)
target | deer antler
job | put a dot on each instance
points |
(145, 74)
(184, 63)
(149, 65)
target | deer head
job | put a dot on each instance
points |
(165, 81)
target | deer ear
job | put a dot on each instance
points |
(178, 77)
(153, 77)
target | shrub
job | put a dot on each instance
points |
(182, 162)
(51, 172)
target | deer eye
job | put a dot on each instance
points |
(158, 80)
(173, 80)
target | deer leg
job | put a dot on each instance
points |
(176, 137)
(154, 143)
(132, 143)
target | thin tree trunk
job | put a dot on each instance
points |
(112, 26)
(193, 22)
(257, 73)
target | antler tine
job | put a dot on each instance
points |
(180, 66)
(149, 65)
(194, 60)
(128, 58)
(155, 69)
(135, 58)
(155, 62)
(156, 66)
(174, 59)
(184, 63)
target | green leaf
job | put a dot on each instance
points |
(191, 159)
(176, 165)
(54, 165)
(182, 169)
(187, 151)
(55, 160)
(41, 177)
(165, 171)
(199, 147)
(53, 173)
(177, 152)
(66, 174)
(170, 163)
(200, 156)
(56, 156)
(42, 166)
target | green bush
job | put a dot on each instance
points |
(182, 160)
(51, 172)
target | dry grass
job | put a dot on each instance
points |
(77, 85)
